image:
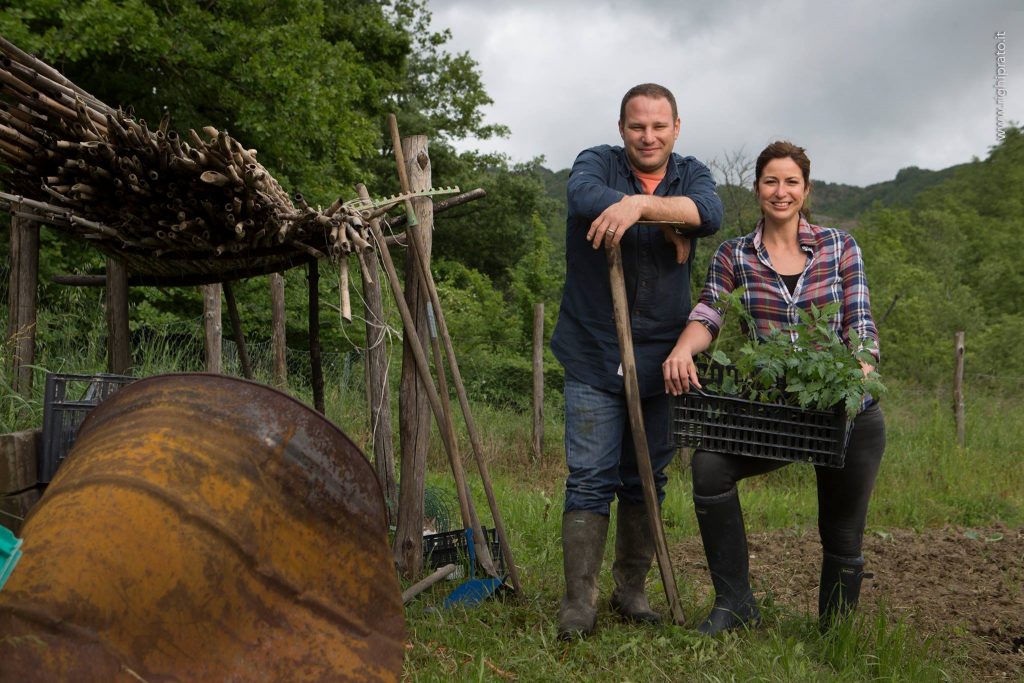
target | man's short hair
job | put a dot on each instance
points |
(652, 90)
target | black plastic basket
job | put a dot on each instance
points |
(450, 548)
(67, 400)
(729, 424)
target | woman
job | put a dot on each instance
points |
(784, 264)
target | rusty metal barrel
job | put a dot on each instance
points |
(205, 528)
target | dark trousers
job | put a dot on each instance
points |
(843, 494)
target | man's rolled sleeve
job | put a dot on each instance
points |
(700, 188)
(588, 191)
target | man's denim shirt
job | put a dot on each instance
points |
(658, 288)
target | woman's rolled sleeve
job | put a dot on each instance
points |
(720, 281)
(856, 297)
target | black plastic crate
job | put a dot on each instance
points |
(730, 424)
(66, 402)
(450, 548)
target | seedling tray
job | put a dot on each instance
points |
(720, 423)
(450, 548)
(67, 400)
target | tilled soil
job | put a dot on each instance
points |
(964, 586)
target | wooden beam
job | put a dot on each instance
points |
(213, 327)
(24, 296)
(277, 329)
(316, 367)
(119, 354)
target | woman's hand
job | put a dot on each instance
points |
(679, 370)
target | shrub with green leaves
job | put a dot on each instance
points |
(805, 364)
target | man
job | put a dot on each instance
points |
(611, 189)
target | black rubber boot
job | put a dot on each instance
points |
(583, 537)
(634, 550)
(840, 588)
(725, 544)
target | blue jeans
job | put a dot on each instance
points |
(599, 449)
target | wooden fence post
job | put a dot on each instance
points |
(958, 392)
(316, 368)
(413, 402)
(378, 394)
(277, 329)
(119, 353)
(538, 380)
(213, 327)
(21, 325)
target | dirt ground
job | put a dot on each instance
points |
(963, 586)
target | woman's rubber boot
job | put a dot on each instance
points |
(583, 537)
(839, 590)
(634, 551)
(725, 544)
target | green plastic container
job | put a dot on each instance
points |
(10, 553)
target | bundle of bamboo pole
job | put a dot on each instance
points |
(76, 163)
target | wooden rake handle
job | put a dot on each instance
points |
(636, 423)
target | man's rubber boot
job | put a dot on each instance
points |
(634, 550)
(725, 544)
(583, 537)
(839, 590)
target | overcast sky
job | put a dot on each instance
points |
(867, 87)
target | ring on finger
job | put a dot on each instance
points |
(611, 231)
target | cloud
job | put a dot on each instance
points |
(867, 87)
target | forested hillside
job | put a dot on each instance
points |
(309, 86)
(943, 254)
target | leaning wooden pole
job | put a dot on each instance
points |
(416, 234)
(236, 330)
(378, 393)
(636, 423)
(447, 437)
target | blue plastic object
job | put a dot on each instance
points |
(473, 591)
(10, 553)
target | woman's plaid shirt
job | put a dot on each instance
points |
(834, 272)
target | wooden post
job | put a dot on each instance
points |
(420, 253)
(413, 405)
(277, 333)
(538, 380)
(119, 354)
(316, 368)
(958, 392)
(21, 327)
(378, 395)
(236, 330)
(213, 326)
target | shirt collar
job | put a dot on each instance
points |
(626, 171)
(804, 235)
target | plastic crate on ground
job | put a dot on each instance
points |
(450, 548)
(67, 400)
(730, 424)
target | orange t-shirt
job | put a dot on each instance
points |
(649, 182)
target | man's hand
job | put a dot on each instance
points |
(616, 220)
(682, 244)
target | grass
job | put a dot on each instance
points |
(925, 481)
